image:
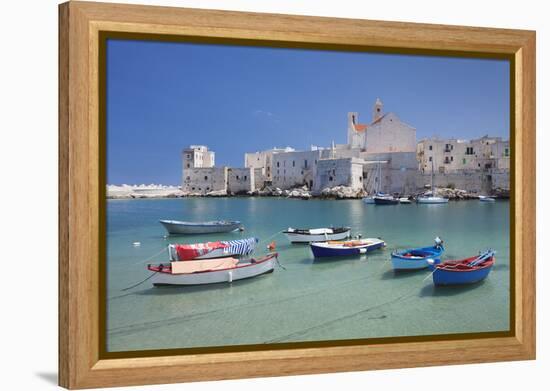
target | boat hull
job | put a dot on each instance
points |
(217, 276)
(182, 228)
(321, 250)
(385, 201)
(432, 200)
(302, 238)
(455, 277)
(402, 262)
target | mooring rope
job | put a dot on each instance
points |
(270, 238)
(139, 283)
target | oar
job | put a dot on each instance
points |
(488, 254)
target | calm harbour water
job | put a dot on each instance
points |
(311, 300)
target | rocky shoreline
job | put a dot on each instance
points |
(335, 193)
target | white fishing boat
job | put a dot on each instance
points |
(208, 250)
(405, 200)
(210, 271)
(308, 235)
(431, 198)
(175, 227)
(346, 248)
(486, 199)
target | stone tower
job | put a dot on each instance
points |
(355, 137)
(377, 110)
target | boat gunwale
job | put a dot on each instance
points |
(212, 223)
(265, 259)
(340, 246)
(399, 255)
(300, 231)
(484, 265)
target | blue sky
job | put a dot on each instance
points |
(162, 96)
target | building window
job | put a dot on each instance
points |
(207, 188)
(463, 161)
(277, 164)
(245, 177)
(237, 177)
(192, 188)
(315, 161)
(469, 150)
(430, 147)
(430, 159)
(293, 163)
(452, 158)
(205, 178)
(188, 165)
(188, 178)
(330, 178)
(305, 163)
(360, 179)
(506, 152)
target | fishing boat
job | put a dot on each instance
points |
(345, 248)
(308, 235)
(466, 271)
(431, 198)
(405, 200)
(209, 250)
(385, 199)
(210, 271)
(368, 200)
(418, 258)
(175, 227)
(486, 199)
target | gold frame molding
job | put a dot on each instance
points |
(82, 27)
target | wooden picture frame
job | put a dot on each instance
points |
(81, 191)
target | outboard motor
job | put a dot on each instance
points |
(438, 241)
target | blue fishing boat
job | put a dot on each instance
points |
(418, 258)
(466, 271)
(346, 248)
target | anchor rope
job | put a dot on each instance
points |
(139, 283)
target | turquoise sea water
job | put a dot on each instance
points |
(311, 300)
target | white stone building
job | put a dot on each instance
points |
(478, 165)
(339, 172)
(197, 156)
(240, 180)
(263, 160)
(347, 164)
(295, 169)
(204, 180)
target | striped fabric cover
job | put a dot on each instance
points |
(241, 246)
(184, 252)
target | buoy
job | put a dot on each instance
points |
(136, 244)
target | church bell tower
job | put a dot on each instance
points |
(377, 110)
